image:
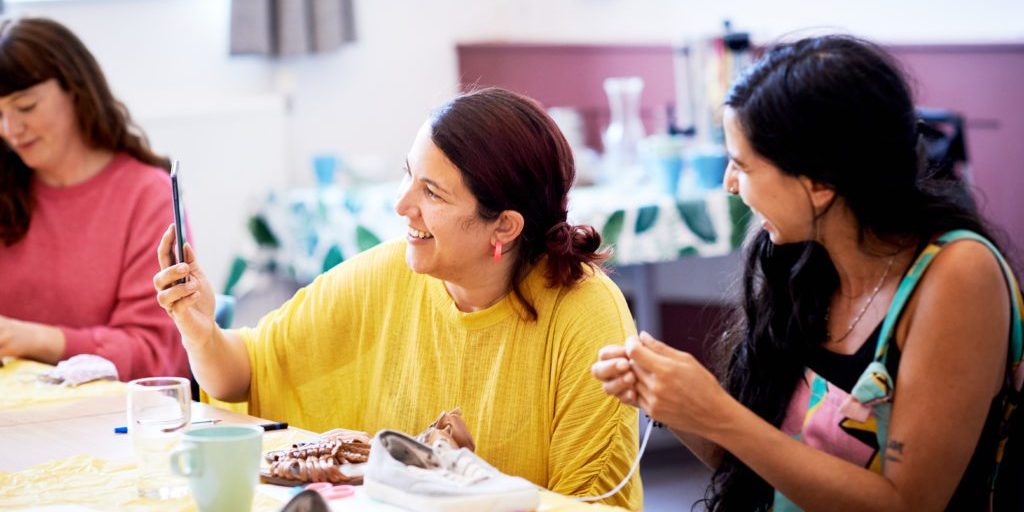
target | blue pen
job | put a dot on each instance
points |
(124, 430)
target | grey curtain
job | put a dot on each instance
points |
(290, 27)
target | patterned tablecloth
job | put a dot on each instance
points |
(304, 232)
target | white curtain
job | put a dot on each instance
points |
(290, 27)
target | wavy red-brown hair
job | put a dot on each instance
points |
(512, 156)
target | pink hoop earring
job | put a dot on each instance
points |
(497, 251)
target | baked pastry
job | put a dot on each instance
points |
(335, 457)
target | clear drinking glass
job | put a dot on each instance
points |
(159, 409)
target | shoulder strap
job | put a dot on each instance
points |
(909, 283)
(876, 385)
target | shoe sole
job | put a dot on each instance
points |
(526, 499)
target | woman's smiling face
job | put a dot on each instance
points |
(446, 238)
(781, 200)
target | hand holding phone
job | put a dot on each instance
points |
(191, 307)
(178, 254)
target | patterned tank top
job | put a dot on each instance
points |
(842, 404)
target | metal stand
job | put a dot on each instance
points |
(638, 282)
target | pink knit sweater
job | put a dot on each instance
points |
(86, 266)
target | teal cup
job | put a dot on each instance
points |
(709, 164)
(222, 465)
(324, 167)
(662, 158)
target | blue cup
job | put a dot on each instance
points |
(324, 167)
(668, 171)
(662, 156)
(709, 166)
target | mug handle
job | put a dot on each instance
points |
(185, 462)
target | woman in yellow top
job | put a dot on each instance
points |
(492, 303)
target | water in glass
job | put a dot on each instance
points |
(159, 409)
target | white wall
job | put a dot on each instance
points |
(232, 153)
(368, 100)
(168, 57)
(911, 21)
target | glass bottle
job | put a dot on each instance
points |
(625, 129)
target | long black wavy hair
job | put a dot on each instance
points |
(838, 110)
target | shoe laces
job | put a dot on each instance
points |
(460, 463)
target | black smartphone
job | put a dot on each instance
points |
(178, 252)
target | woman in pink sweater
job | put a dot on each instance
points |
(83, 200)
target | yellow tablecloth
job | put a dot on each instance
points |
(20, 386)
(93, 482)
(100, 484)
(90, 482)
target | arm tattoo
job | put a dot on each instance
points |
(894, 451)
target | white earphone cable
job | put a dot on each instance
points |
(636, 463)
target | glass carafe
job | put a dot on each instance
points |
(625, 130)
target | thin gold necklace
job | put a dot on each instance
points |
(860, 314)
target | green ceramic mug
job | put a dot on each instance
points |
(222, 465)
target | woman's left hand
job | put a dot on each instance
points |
(674, 388)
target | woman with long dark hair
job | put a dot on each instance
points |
(82, 201)
(492, 302)
(851, 379)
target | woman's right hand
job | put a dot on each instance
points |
(190, 304)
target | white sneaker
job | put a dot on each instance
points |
(407, 473)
